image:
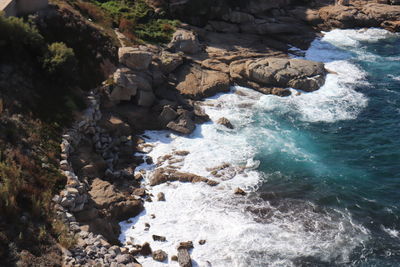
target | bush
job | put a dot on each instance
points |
(18, 37)
(59, 60)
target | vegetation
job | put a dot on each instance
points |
(135, 19)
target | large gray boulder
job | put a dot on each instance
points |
(279, 72)
(134, 58)
(128, 83)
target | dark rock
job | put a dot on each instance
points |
(145, 249)
(202, 242)
(184, 259)
(225, 122)
(159, 238)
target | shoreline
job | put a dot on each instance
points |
(142, 195)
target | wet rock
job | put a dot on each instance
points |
(161, 175)
(174, 258)
(159, 255)
(161, 196)
(239, 191)
(145, 249)
(225, 122)
(202, 242)
(183, 125)
(159, 238)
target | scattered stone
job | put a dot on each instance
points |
(145, 249)
(161, 196)
(159, 255)
(202, 242)
(174, 258)
(124, 258)
(225, 122)
(159, 238)
(185, 245)
(239, 191)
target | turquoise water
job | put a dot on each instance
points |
(345, 156)
(321, 169)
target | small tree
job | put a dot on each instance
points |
(59, 61)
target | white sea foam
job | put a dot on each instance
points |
(392, 232)
(247, 231)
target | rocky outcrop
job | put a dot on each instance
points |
(162, 175)
(134, 58)
(185, 41)
(360, 15)
(265, 74)
(197, 83)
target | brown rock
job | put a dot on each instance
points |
(141, 192)
(196, 83)
(239, 191)
(160, 255)
(174, 258)
(159, 238)
(161, 196)
(225, 122)
(185, 245)
(145, 249)
(161, 175)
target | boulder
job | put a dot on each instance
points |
(161, 196)
(279, 72)
(145, 98)
(239, 191)
(134, 58)
(197, 83)
(127, 84)
(114, 125)
(184, 259)
(167, 115)
(145, 250)
(159, 238)
(183, 125)
(170, 62)
(159, 255)
(225, 122)
(162, 175)
(185, 41)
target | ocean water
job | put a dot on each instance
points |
(321, 170)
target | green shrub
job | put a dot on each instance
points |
(18, 37)
(59, 60)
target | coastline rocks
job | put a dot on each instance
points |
(184, 124)
(161, 196)
(134, 58)
(145, 250)
(185, 41)
(197, 83)
(359, 15)
(279, 72)
(239, 191)
(162, 175)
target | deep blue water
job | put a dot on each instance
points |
(349, 164)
